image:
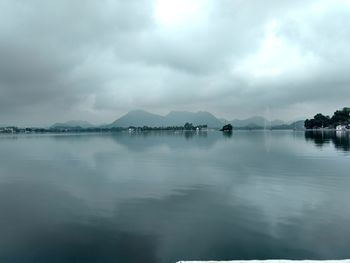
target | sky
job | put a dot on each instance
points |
(97, 60)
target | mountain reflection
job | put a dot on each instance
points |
(167, 196)
(144, 140)
(340, 139)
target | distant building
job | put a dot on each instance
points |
(342, 127)
(8, 130)
(132, 129)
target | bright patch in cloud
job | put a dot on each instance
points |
(275, 57)
(172, 13)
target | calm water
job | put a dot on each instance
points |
(161, 197)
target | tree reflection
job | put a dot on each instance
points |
(227, 134)
(340, 139)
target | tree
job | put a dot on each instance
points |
(321, 121)
(341, 116)
(188, 126)
(227, 128)
(309, 124)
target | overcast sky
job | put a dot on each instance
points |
(96, 60)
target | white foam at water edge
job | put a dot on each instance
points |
(271, 261)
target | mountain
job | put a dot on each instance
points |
(276, 123)
(223, 120)
(253, 121)
(298, 125)
(82, 124)
(256, 121)
(178, 118)
(141, 118)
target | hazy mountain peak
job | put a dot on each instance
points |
(173, 118)
(139, 118)
(137, 111)
(179, 118)
(73, 123)
(178, 112)
(252, 121)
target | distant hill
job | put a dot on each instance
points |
(196, 118)
(276, 122)
(256, 121)
(223, 120)
(297, 125)
(82, 124)
(141, 118)
(253, 121)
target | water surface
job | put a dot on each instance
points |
(162, 197)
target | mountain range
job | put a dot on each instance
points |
(140, 118)
(81, 124)
(256, 121)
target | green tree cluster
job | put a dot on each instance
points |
(340, 117)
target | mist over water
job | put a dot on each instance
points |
(165, 196)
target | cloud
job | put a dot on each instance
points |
(96, 60)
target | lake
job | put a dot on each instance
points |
(165, 196)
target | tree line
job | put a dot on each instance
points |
(340, 117)
(186, 127)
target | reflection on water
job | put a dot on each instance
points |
(340, 139)
(227, 134)
(164, 196)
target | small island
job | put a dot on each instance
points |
(227, 128)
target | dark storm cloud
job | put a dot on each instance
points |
(95, 60)
(47, 50)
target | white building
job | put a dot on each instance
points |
(341, 127)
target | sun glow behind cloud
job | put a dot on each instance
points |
(170, 13)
